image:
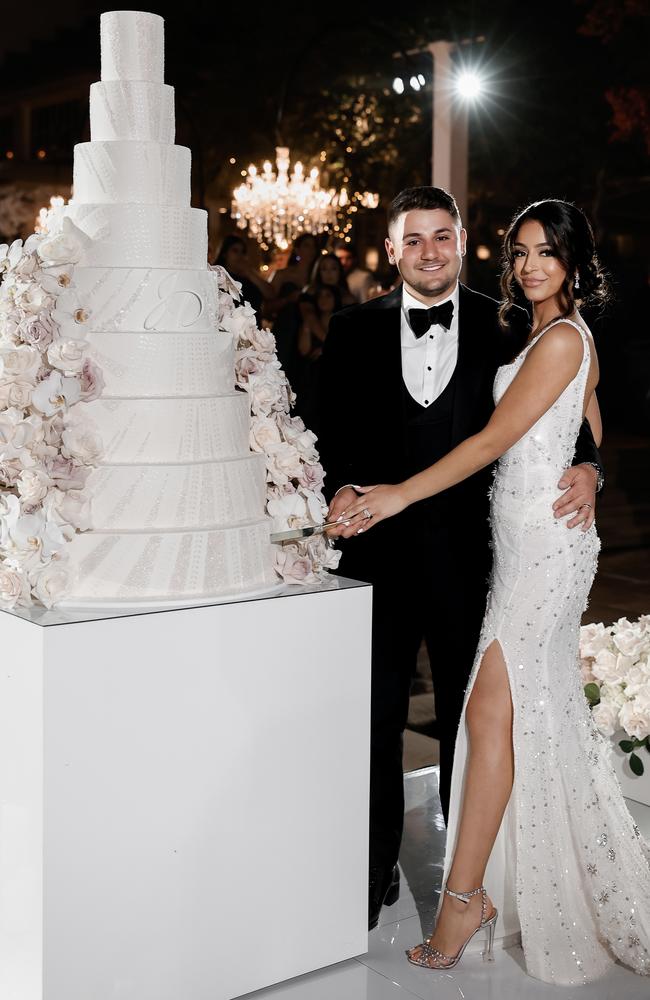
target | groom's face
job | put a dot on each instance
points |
(427, 246)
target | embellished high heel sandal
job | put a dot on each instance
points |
(427, 953)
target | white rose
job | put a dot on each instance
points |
(68, 355)
(66, 246)
(37, 330)
(82, 443)
(262, 340)
(312, 476)
(32, 298)
(56, 392)
(610, 667)
(9, 472)
(17, 435)
(15, 393)
(293, 567)
(22, 362)
(297, 434)
(266, 392)
(52, 582)
(630, 638)
(593, 638)
(635, 718)
(282, 463)
(613, 694)
(247, 363)
(321, 553)
(14, 587)
(585, 671)
(605, 715)
(32, 485)
(264, 433)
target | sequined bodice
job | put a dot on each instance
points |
(529, 471)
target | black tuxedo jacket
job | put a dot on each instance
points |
(363, 425)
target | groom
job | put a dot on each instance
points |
(406, 378)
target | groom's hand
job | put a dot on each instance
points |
(580, 482)
(343, 499)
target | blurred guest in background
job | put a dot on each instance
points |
(326, 301)
(360, 281)
(234, 257)
(327, 273)
(286, 286)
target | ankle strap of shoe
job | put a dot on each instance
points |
(464, 896)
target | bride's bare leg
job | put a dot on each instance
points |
(488, 783)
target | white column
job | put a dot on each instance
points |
(449, 154)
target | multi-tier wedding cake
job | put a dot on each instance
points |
(177, 497)
(147, 445)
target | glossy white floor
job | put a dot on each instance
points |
(384, 974)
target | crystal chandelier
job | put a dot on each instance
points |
(277, 207)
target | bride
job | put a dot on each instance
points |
(531, 773)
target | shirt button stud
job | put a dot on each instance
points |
(428, 368)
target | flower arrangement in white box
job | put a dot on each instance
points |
(615, 662)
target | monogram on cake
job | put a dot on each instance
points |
(178, 498)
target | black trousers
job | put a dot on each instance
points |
(438, 596)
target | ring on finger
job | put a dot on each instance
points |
(585, 505)
(366, 513)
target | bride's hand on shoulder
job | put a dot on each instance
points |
(376, 504)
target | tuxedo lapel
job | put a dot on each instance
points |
(385, 382)
(471, 368)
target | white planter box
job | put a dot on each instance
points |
(634, 787)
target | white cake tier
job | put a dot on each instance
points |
(165, 364)
(171, 566)
(119, 171)
(142, 235)
(132, 110)
(141, 298)
(175, 497)
(132, 46)
(203, 429)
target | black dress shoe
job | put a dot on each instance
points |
(383, 890)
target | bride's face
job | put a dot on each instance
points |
(537, 268)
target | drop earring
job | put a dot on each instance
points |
(576, 283)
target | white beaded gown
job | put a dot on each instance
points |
(569, 867)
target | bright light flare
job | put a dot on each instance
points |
(398, 85)
(469, 84)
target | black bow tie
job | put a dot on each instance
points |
(420, 320)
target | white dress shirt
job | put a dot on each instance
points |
(428, 362)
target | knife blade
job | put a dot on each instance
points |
(297, 533)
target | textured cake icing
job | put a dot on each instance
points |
(178, 499)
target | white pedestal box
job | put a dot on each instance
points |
(633, 786)
(183, 796)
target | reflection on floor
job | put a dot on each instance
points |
(384, 974)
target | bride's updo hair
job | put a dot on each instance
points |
(570, 236)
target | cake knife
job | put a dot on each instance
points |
(297, 533)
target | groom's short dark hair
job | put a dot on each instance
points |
(425, 197)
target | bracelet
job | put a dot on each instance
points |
(600, 482)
